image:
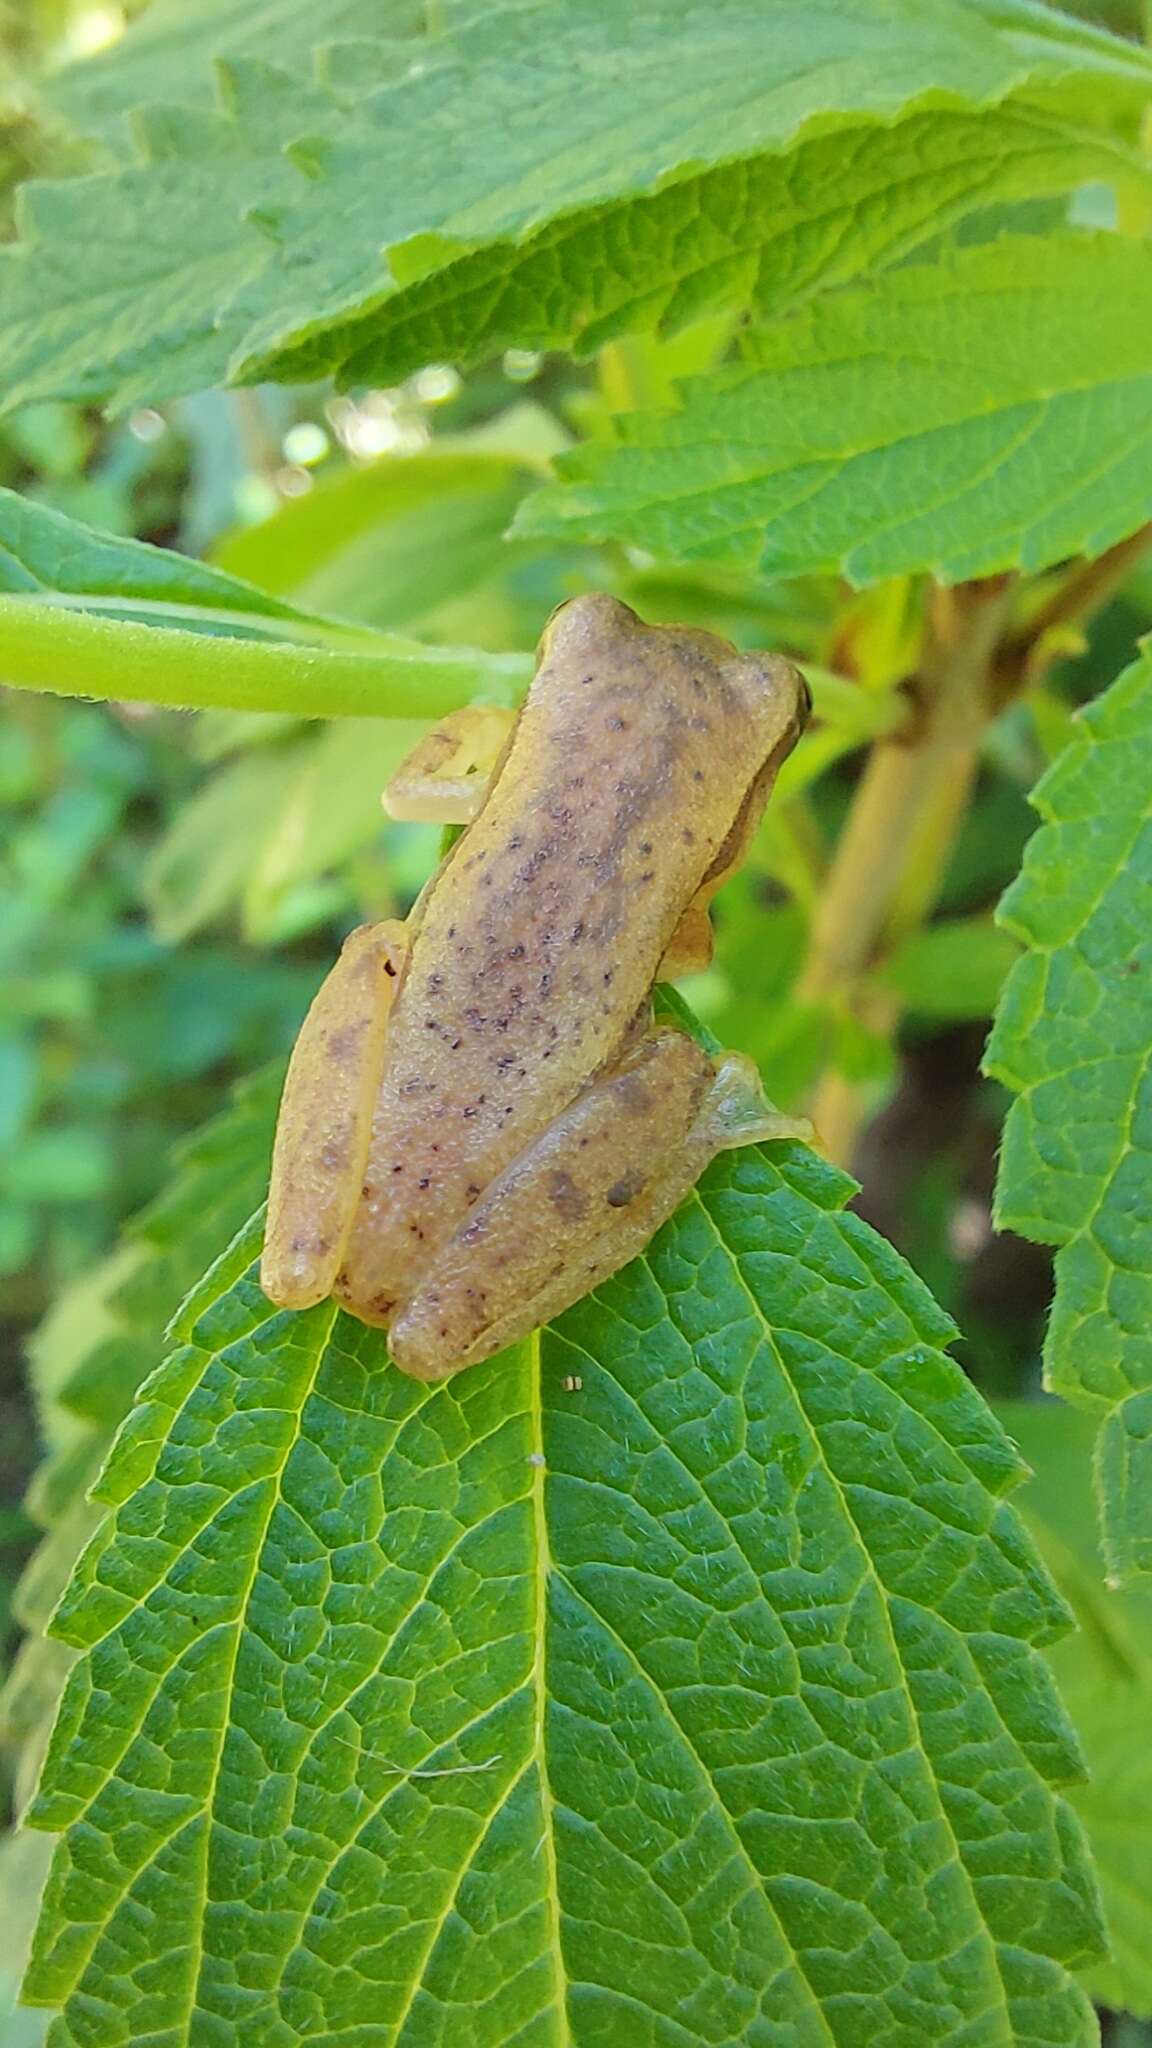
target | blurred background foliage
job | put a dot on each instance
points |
(175, 887)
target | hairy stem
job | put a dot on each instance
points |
(81, 654)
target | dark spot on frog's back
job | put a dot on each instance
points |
(633, 1096)
(569, 1201)
(625, 1190)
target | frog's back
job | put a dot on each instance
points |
(541, 937)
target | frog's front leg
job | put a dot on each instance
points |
(325, 1123)
(446, 777)
(689, 950)
(582, 1200)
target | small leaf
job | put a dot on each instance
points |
(272, 822)
(989, 411)
(1073, 1038)
(427, 1713)
(1104, 1673)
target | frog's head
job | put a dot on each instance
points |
(592, 620)
(595, 625)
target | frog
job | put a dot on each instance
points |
(483, 1117)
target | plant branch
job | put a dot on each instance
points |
(1081, 593)
(80, 654)
(912, 798)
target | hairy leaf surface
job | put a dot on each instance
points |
(1073, 1038)
(767, 232)
(170, 53)
(216, 252)
(697, 1632)
(989, 411)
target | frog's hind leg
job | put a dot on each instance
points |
(325, 1123)
(581, 1201)
(446, 777)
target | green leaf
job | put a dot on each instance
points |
(170, 52)
(392, 543)
(102, 1336)
(270, 824)
(1104, 1672)
(215, 254)
(767, 232)
(583, 114)
(697, 1703)
(1014, 375)
(44, 555)
(954, 969)
(1073, 1038)
(119, 285)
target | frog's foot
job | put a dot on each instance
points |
(445, 779)
(738, 1112)
(325, 1123)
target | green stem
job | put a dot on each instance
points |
(894, 850)
(79, 654)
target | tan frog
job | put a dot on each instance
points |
(481, 1120)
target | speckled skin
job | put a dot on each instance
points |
(639, 764)
(570, 1209)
